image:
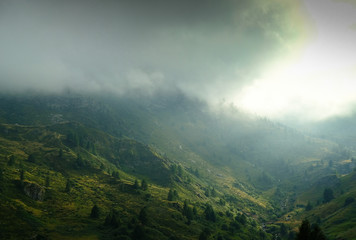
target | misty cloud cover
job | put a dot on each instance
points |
(206, 48)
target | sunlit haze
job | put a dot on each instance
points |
(320, 81)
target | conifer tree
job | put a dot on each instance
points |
(22, 175)
(31, 158)
(209, 213)
(144, 185)
(136, 186)
(95, 212)
(68, 186)
(170, 195)
(143, 216)
(316, 233)
(328, 195)
(47, 182)
(304, 231)
(11, 161)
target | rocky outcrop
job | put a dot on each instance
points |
(34, 191)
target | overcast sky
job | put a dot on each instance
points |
(274, 58)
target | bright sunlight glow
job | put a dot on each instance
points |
(318, 84)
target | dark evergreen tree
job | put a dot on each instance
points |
(213, 192)
(144, 185)
(187, 211)
(47, 181)
(79, 162)
(308, 207)
(180, 171)
(72, 139)
(115, 174)
(143, 216)
(170, 195)
(60, 154)
(209, 213)
(317, 233)
(175, 195)
(136, 186)
(241, 218)
(68, 186)
(31, 158)
(207, 192)
(11, 161)
(139, 233)
(22, 175)
(349, 200)
(283, 229)
(328, 195)
(95, 212)
(174, 169)
(204, 235)
(304, 231)
(112, 219)
(195, 211)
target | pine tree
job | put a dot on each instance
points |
(144, 185)
(195, 211)
(11, 161)
(22, 175)
(139, 233)
(60, 154)
(187, 211)
(316, 233)
(308, 207)
(204, 235)
(68, 186)
(31, 158)
(180, 171)
(136, 186)
(207, 192)
(328, 195)
(304, 231)
(143, 216)
(170, 195)
(209, 213)
(95, 212)
(213, 192)
(175, 194)
(111, 219)
(47, 182)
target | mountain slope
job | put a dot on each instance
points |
(234, 162)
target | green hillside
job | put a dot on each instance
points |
(336, 215)
(41, 204)
(206, 174)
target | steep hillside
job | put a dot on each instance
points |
(233, 162)
(332, 204)
(52, 178)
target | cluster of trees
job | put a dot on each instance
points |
(75, 140)
(310, 232)
(143, 186)
(132, 229)
(172, 195)
(210, 192)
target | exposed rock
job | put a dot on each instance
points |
(34, 191)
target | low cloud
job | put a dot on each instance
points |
(205, 48)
